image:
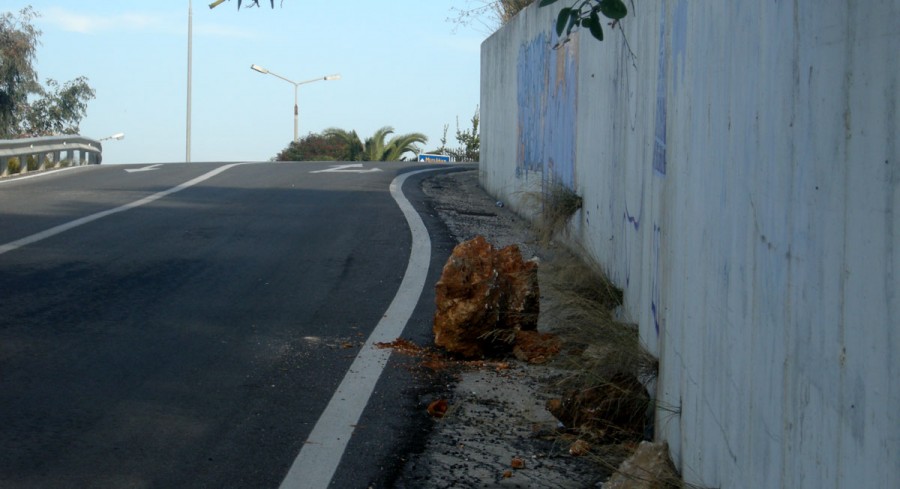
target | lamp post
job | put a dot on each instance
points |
(296, 85)
(187, 131)
(117, 136)
(187, 135)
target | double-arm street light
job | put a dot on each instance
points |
(296, 85)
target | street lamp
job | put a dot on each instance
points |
(117, 136)
(264, 71)
(190, 62)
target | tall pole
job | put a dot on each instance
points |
(187, 137)
(296, 111)
(296, 85)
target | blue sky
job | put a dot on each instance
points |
(402, 64)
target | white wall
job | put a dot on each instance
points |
(740, 181)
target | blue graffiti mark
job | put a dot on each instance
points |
(530, 101)
(659, 148)
(655, 279)
(547, 82)
(679, 39)
(635, 220)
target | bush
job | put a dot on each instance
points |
(32, 163)
(315, 147)
(13, 166)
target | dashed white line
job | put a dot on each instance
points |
(34, 238)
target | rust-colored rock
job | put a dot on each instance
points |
(483, 298)
(579, 448)
(438, 408)
(613, 411)
(534, 347)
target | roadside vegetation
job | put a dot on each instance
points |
(468, 141)
(335, 144)
(28, 108)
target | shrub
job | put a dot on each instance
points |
(13, 166)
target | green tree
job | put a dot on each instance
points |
(60, 110)
(316, 147)
(469, 141)
(375, 148)
(26, 108)
(18, 47)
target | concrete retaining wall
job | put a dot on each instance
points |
(740, 181)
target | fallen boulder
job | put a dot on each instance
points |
(483, 298)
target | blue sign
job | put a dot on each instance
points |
(427, 158)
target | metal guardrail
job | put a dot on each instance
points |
(32, 154)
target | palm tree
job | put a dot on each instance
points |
(375, 148)
(354, 144)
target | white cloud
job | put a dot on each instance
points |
(68, 20)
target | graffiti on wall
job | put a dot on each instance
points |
(547, 83)
(659, 146)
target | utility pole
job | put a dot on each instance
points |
(187, 143)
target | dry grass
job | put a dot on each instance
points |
(505, 10)
(604, 400)
(552, 208)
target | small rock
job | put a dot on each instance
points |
(649, 468)
(517, 463)
(614, 410)
(438, 408)
(580, 448)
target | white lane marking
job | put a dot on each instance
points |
(318, 459)
(34, 238)
(11, 178)
(144, 168)
(351, 168)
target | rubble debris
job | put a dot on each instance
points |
(612, 411)
(536, 348)
(580, 448)
(648, 468)
(484, 297)
(438, 408)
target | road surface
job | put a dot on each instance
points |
(186, 325)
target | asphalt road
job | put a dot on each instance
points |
(195, 340)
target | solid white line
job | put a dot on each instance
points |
(34, 238)
(318, 459)
(44, 173)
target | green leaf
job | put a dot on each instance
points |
(574, 21)
(544, 3)
(614, 9)
(596, 26)
(565, 15)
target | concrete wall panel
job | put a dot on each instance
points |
(739, 173)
